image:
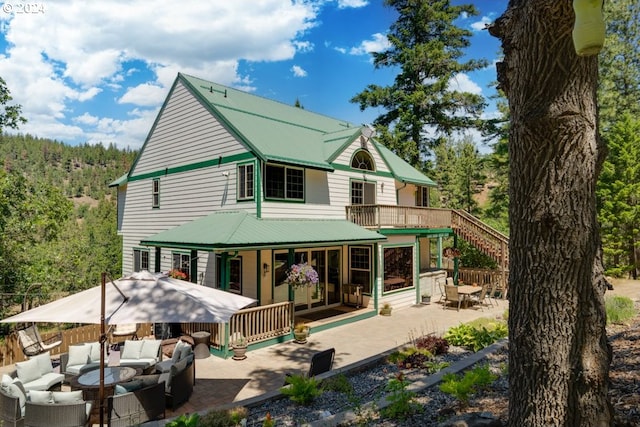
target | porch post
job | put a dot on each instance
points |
(455, 260)
(224, 271)
(193, 268)
(291, 260)
(158, 259)
(439, 261)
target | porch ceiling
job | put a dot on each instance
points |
(240, 230)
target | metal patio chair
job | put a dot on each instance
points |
(32, 343)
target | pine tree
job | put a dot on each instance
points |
(422, 107)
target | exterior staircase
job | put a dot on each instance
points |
(486, 239)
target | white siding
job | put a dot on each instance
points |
(185, 133)
(407, 297)
(407, 195)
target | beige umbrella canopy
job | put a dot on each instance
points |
(141, 297)
(144, 297)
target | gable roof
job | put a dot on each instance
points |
(235, 230)
(281, 133)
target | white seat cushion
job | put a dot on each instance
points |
(150, 349)
(28, 370)
(40, 396)
(67, 396)
(78, 355)
(44, 362)
(132, 349)
(45, 382)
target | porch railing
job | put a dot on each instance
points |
(383, 216)
(262, 323)
(482, 277)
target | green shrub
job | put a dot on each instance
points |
(338, 383)
(223, 417)
(461, 387)
(185, 420)
(476, 335)
(619, 309)
(301, 389)
(401, 404)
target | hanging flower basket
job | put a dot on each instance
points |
(300, 275)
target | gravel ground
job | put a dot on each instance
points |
(437, 406)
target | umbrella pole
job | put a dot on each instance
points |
(102, 342)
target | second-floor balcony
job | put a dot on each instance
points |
(391, 216)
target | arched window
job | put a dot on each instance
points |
(363, 160)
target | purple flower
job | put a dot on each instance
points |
(302, 275)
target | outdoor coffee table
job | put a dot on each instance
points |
(89, 383)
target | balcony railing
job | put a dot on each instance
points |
(388, 216)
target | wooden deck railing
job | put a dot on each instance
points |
(255, 324)
(482, 277)
(383, 216)
(262, 323)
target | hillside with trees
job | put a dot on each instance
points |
(58, 216)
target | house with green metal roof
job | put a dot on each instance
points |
(233, 189)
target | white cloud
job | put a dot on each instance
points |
(378, 43)
(298, 71)
(463, 83)
(58, 60)
(344, 4)
(481, 24)
(144, 94)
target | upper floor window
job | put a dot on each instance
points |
(155, 193)
(284, 182)
(245, 181)
(422, 196)
(363, 160)
(363, 193)
(140, 260)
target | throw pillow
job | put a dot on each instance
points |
(44, 363)
(6, 380)
(94, 351)
(132, 349)
(78, 355)
(120, 390)
(185, 351)
(28, 370)
(150, 349)
(15, 390)
(175, 356)
(37, 396)
(67, 396)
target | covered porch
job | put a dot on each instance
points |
(240, 253)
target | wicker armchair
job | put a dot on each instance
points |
(57, 414)
(136, 407)
(10, 411)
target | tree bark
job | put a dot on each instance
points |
(558, 354)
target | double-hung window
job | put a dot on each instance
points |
(284, 182)
(182, 262)
(140, 260)
(155, 193)
(363, 193)
(245, 181)
(360, 267)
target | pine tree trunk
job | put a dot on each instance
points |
(558, 354)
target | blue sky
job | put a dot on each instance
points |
(90, 72)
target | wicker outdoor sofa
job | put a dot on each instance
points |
(137, 406)
(72, 414)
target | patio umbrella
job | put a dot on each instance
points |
(138, 298)
(144, 297)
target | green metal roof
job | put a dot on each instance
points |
(401, 170)
(122, 180)
(239, 230)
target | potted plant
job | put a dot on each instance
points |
(386, 309)
(426, 297)
(239, 347)
(300, 333)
